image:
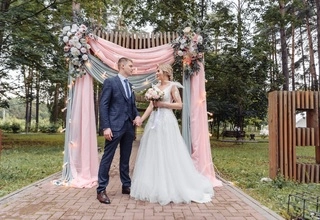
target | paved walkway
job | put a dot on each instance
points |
(44, 200)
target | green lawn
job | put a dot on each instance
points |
(244, 165)
(27, 158)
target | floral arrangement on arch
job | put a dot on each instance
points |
(76, 48)
(189, 48)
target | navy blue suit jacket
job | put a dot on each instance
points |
(115, 107)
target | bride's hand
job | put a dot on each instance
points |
(159, 104)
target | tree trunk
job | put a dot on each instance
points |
(37, 100)
(306, 85)
(293, 55)
(318, 33)
(56, 104)
(284, 53)
(28, 96)
(311, 53)
(4, 6)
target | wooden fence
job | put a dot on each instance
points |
(137, 40)
(284, 136)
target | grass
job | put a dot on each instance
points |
(26, 159)
(244, 165)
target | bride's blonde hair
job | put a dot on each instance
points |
(166, 68)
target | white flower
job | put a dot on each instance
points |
(75, 52)
(180, 53)
(65, 39)
(74, 28)
(75, 61)
(69, 34)
(83, 40)
(85, 57)
(83, 50)
(200, 39)
(187, 30)
(78, 45)
(65, 30)
(88, 47)
(75, 39)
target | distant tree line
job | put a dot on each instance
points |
(257, 47)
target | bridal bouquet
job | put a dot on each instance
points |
(154, 94)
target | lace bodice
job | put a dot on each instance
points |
(167, 91)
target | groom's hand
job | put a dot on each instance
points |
(107, 133)
(137, 121)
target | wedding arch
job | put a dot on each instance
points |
(94, 56)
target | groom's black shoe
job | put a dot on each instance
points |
(103, 198)
(125, 190)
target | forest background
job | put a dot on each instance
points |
(255, 47)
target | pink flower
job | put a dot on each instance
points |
(66, 48)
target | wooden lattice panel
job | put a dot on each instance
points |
(284, 136)
(137, 40)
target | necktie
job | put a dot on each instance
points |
(127, 88)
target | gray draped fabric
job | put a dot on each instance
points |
(186, 130)
(66, 172)
(99, 71)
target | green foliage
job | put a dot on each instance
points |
(51, 128)
(15, 127)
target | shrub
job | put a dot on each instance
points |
(51, 128)
(15, 127)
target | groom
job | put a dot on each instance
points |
(118, 115)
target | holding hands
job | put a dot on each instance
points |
(137, 121)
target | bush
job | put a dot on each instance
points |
(15, 127)
(51, 128)
(5, 126)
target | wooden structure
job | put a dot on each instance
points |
(137, 40)
(284, 136)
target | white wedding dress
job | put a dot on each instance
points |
(164, 171)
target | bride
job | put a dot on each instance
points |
(164, 171)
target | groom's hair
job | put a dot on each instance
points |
(123, 60)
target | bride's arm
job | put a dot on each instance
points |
(177, 104)
(147, 112)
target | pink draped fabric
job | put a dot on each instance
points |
(200, 142)
(145, 60)
(83, 149)
(83, 152)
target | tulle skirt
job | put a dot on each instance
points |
(164, 171)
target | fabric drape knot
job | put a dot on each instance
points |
(128, 92)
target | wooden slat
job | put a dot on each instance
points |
(292, 126)
(307, 98)
(165, 40)
(284, 132)
(311, 100)
(312, 177)
(298, 172)
(298, 99)
(298, 137)
(303, 173)
(273, 134)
